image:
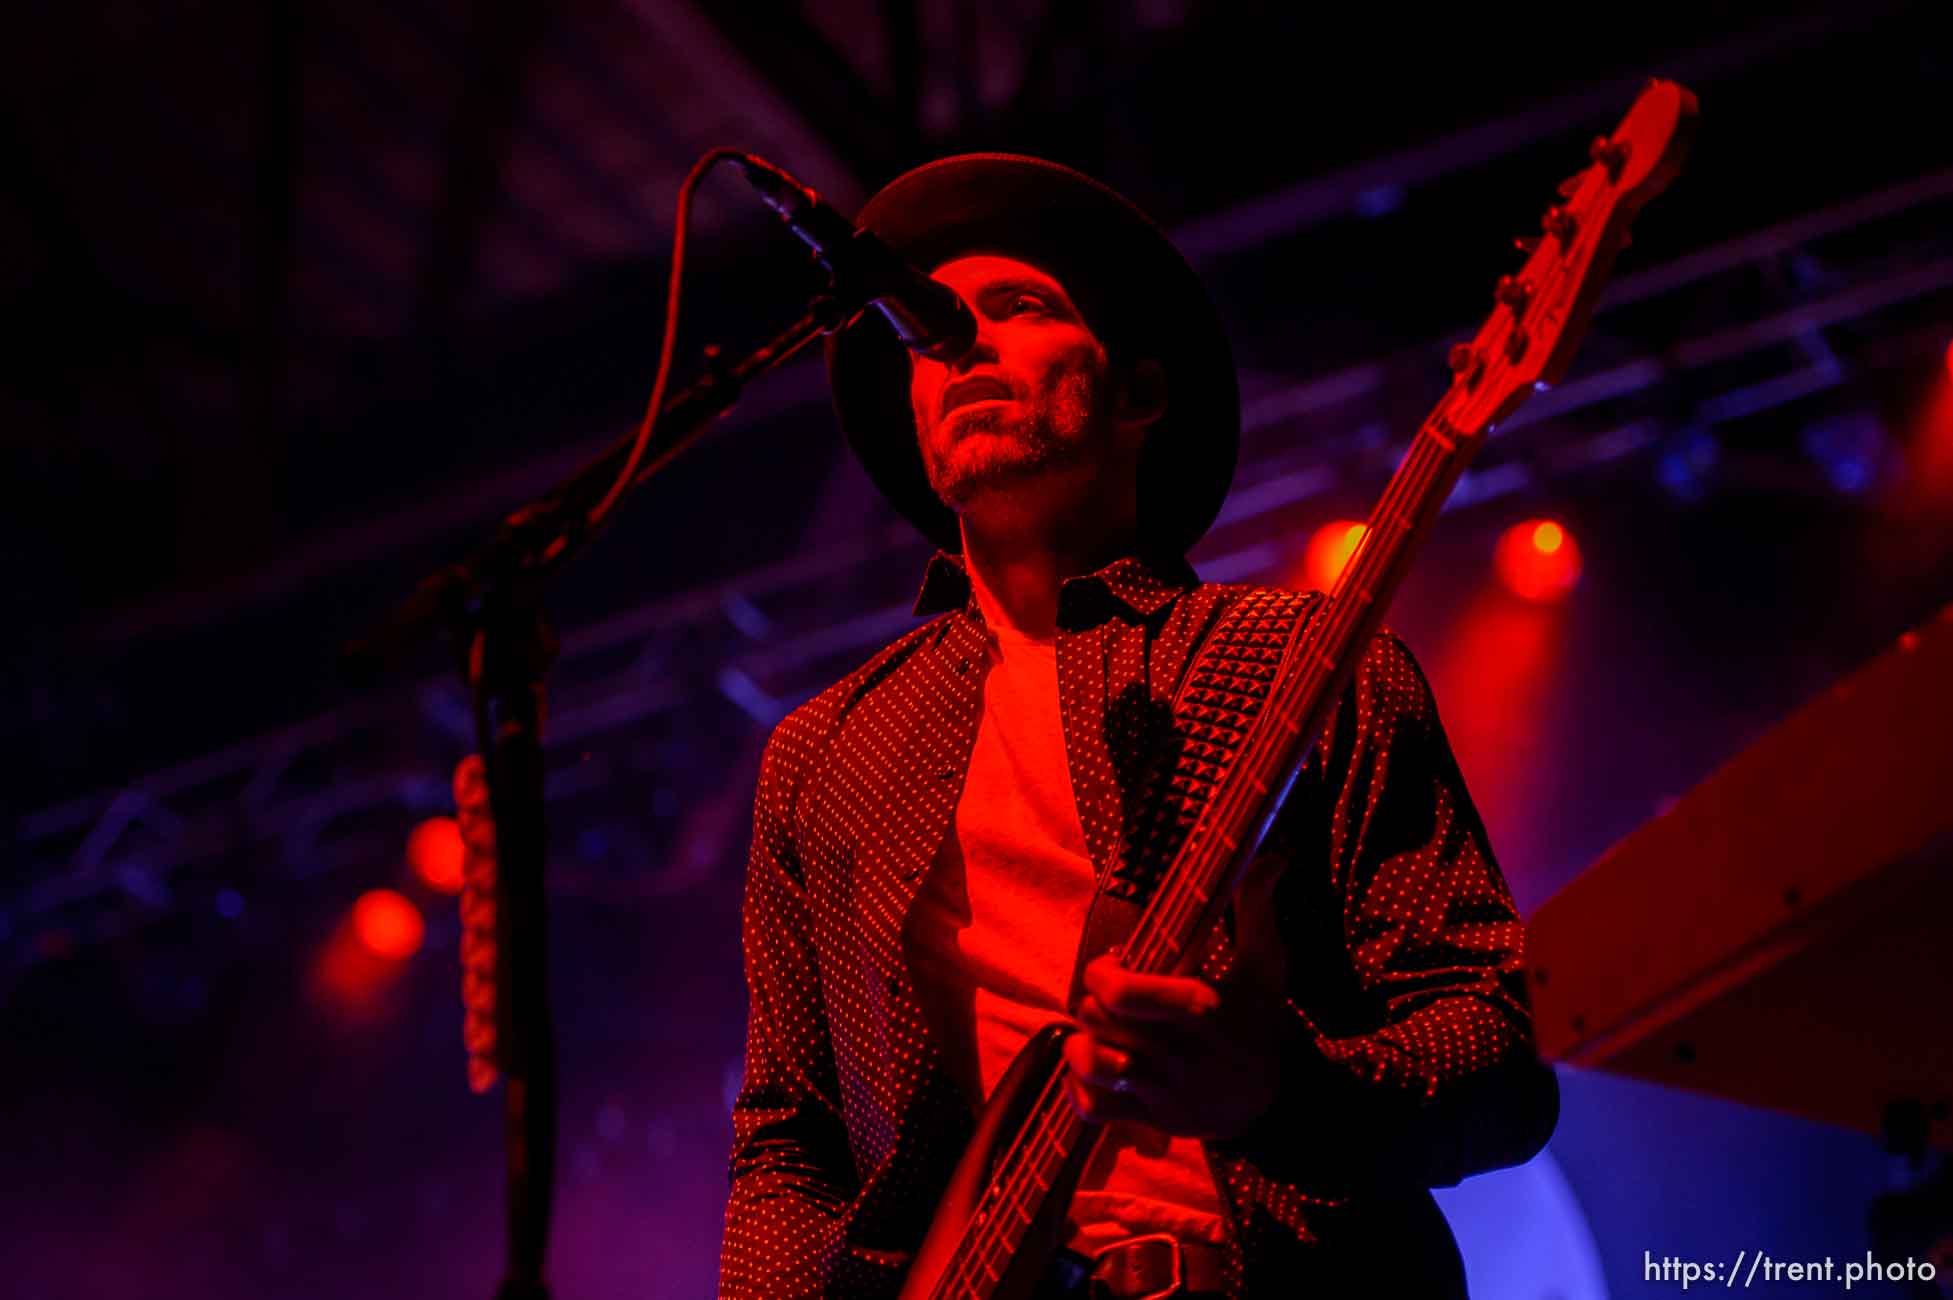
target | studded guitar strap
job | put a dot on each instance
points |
(1215, 709)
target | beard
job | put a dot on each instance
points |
(977, 450)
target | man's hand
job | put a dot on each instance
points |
(1189, 1058)
(1185, 1056)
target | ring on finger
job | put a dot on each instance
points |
(1121, 1063)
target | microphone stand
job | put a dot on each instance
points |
(491, 603)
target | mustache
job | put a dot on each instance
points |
(975, 388)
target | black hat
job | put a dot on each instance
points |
(1133, 288)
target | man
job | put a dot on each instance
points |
(931, 832)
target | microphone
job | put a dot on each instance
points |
(930, 318)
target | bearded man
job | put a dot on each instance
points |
(933, 833)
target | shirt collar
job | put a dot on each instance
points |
(1141, 586)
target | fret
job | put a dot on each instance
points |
(1394, 519)
(1362, 594)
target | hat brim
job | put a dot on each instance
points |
(1134, 289)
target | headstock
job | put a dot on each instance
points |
(1543, 309)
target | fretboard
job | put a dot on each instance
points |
(1229, 831)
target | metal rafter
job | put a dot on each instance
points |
(872, 137)
(268, 354)
(490, 105)
(126, 847)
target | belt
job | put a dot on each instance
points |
(1151, 1267)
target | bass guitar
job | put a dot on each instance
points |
(1265, 697)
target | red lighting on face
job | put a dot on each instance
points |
(1329, 552)
(388, 924)
(435, 852)
(1538, 560)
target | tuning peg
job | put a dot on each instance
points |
(1514, 292)
(1526, 244)
(1611, 154)
(1463, 357)
(1571, 185)
(1560, 224)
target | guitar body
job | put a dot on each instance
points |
(1003, 1118)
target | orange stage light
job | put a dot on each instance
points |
(388, 924)
(1538, 560)
(1329, 551)
(435, 852)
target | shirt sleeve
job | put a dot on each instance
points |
(791, 1173)
(1407, 1051)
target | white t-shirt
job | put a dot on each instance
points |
(993, 935)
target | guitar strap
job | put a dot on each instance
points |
(1219, 701)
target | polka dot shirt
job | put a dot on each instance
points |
(1406, 1044)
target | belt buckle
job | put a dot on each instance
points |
(1176, 1270)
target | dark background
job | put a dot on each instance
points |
(305, 298)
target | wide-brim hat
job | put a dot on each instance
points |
(1133, 288)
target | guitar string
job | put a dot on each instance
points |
(992, 1234)
(1412, 480)
(1046, 1140)
(1169, 908)
(1174, 904)
(1184, 897)
(1183, 893)
(1169, 931)
(1031, 1135)
(1035, 1140)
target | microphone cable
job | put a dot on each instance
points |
(710, 159)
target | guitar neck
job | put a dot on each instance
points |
(1215, 854)
(1224, 840)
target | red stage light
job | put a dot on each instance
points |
(1329, 551)
(435, 852)
(388, 924)
(1538, 560)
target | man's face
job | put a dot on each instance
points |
(1028, 398)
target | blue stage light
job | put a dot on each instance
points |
(1380, 201)
(1849, 450)
(1687, 465)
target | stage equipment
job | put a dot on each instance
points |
(491, 605)
(927, 315)
(1537, 560)
(1778, 937)
(1330, 548)
(388, 924)
(436, 854)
